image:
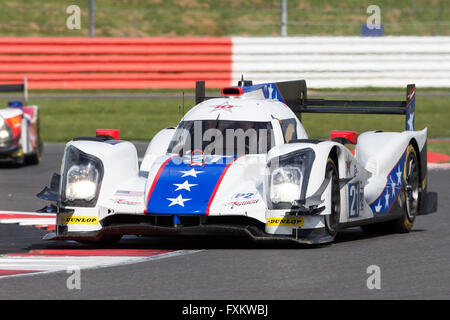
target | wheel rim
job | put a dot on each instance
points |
(412, 188)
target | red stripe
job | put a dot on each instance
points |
(218, 183)
(434, 157)
(117, 67)
(50, 227)
(25, 216)
(92, 252)
(119, 40)
(190, 76)
(13, 272)
(121, 84)
(155, 180)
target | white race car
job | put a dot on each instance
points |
(20, 140)
(242, 164)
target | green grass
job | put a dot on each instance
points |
(439, 147)
(61, 120)
(140, 18)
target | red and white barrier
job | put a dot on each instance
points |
(115, 63)
(156, 63)
(339, 62)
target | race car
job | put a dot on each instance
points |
(20, 141)
(243, 164)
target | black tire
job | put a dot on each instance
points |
(20, 160)
(411, 193)
(332, 220)
(409, 199)
(35, 158)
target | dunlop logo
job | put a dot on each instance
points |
(285, 222)
(77, 220)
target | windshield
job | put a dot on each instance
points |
(222, 137)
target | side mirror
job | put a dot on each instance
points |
(344, 137)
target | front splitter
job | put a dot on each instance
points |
(249, 231)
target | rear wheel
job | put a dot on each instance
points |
(411, 193)
(332, 220)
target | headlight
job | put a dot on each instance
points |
(81, 182)
(285, 184)
(82, 178)
(288, 178)
(6, 134)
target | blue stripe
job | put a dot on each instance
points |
(164, 195)
(270, 90)
(392, 188)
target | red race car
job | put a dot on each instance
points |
(20, 140)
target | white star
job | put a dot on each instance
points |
(270, 91)
(411, 121)
(191, 173)
(185, 186)
(393, 185)
(378, 207)
(399, 176)
(178, 200)
(387, 200)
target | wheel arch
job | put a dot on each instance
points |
(334, 155)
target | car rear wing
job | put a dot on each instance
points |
(294, 95)
(21, 87)
(405, 107)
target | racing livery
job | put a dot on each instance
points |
(243, 164)
(20, 140)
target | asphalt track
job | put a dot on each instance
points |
(413, 266)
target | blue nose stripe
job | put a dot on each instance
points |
(183, 188)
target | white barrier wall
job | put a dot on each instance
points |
(339, 62)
